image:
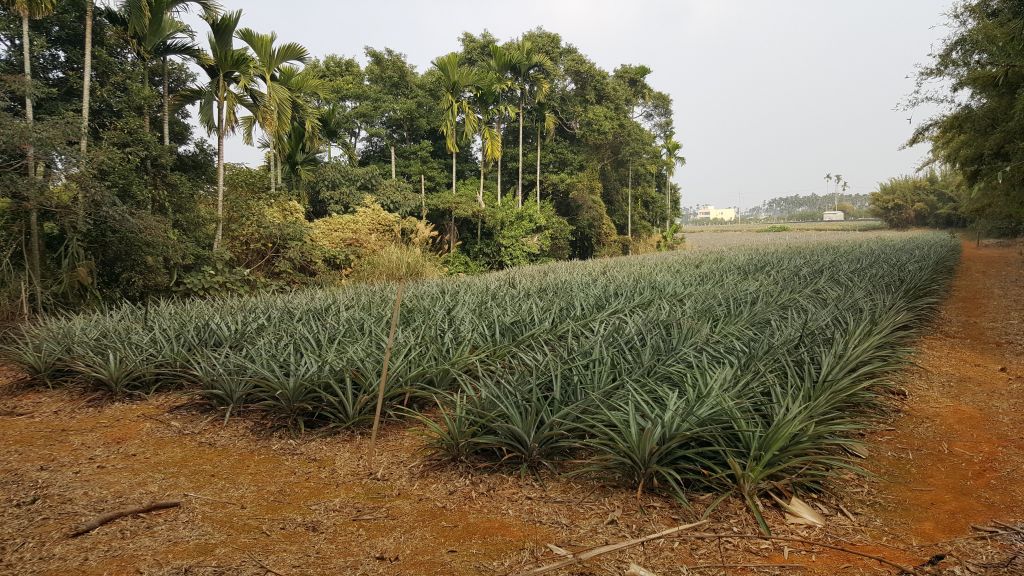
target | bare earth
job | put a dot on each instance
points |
(258, 503)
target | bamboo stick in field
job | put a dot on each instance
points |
(384, 371)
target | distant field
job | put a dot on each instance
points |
(849, 226)
(745, 238)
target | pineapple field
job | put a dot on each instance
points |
(677, 373)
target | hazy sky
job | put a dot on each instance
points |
(768, 96)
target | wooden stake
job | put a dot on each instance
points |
(384, 370)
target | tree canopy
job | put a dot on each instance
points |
(143, 211)
(976, 78)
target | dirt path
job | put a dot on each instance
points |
(261, 504)
(956, 456)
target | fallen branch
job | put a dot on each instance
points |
(201, 497)
(583, 556)
(751, 566)
(587, 555)
(1008, 527)
(110, 517)
(267, 569)
(902, 569)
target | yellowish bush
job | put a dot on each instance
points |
(397, 263)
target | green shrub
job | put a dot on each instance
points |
(775, 228)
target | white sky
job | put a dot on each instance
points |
(768, 95)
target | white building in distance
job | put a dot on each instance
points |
(712, 213)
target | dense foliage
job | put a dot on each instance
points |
(730, 372)
(933, 199)
(508, 152)
(976, 77)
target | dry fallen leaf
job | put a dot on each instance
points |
(559, 551)
(800, 512)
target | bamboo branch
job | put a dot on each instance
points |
(384, 371)
(584, 556)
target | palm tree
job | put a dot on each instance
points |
(458, 83)
(828, 181)
(458, 119)
(835, 193)
(332, 126)
(500, 66)
(545, 121)
(154, 32)
(670, 150)
(31, 9)
(271, 106)
(531, 84)
(489, 108)
(300, 140)
(228, 70)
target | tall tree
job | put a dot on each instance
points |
(271, 103)
(86, 78)
(670, 150)
(458, 119)
(529, 70)
(488, 103)
(545, 123)
(332, 126)
(500, 66)
(229, 70)
(32, 9)
(300, 139)
(154, 32)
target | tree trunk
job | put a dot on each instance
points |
(328, 151)
(629, 204)
(668, 201)
(167, 105)
(497, 128)
(272, 170)
(423, 198)
(393, 163)
(451, 227)
(27, 55)
(279, 164)
(145, 95)
(86, 83)
(480, 194)
(218, 236)
(83, 143)
(519, 187)
(538, 166)
(30, 159)
(34, 254)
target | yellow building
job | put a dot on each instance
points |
(712, 213)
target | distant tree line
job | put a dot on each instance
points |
(502, 153)
(809, 207)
